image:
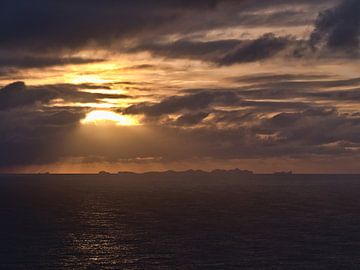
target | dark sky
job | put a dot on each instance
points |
(150, 85)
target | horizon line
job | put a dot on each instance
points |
(215, 171)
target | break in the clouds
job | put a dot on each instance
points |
(175, 84)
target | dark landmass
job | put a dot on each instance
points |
(233, 173)
(190, 173)
(104, 173)
(169, 173)
(283, 173)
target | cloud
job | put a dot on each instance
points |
(207, 100)
(350, 95)
(192, 102)
(213, 123)
(335, 29)
(43, 61)
(262, 48)
(32, 131)
(53, 25)
(47, 32)
(221, 52)
(309, 87)
(190, 119)
(29, 136)
(313, 127)
(19, 95)
(338, 28)
(206, 51)
(267, 115)
(312, 84)
(138, 67)
(272, 77)
(259, 121)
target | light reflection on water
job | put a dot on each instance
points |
(106, 239)
(92, 222)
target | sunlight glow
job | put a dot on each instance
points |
(78, 79)
(102, 116)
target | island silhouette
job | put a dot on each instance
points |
(191, 172)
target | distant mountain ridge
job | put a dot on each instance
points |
(195, 173)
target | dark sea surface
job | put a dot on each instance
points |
(183, 222)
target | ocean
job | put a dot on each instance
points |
(179, 222)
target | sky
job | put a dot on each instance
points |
(142, 85)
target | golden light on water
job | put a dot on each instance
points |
(103, 116)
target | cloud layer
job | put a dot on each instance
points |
(208, 80)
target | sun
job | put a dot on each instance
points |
(102, 116)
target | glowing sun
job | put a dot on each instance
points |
(102, 116)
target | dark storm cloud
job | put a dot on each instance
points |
(285, 86)
(263, 93)
(19, 95)
(207, 51)
(278, 18)
(269, 77)
(49, 24)
(290, 87)
(65, 27)
(345, 90)
(338, 28)
(206, 101)
(351, 95)
(309, 132)
(138, 67)
(197, 101)
(29, 136)
(222, 52)
(261, 4)
(316, 126)
(321, 132)
(262, 48)
(312, 84)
